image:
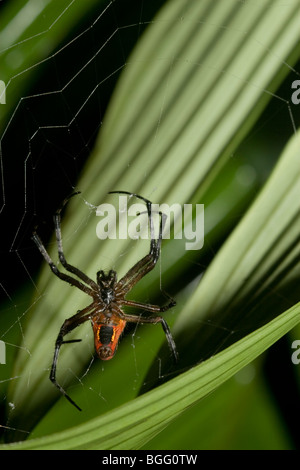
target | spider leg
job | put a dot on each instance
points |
(149, 307)
(80, 317)
(148, 262)
(154, 320)
(154, 244)
(67, 266)
(55, 270)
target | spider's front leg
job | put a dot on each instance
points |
(69, 267)
(68, 325)
(55, 270)
(148, 262)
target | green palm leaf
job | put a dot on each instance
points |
(187, 98)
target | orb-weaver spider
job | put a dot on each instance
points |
(106, 310)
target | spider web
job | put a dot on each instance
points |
(44, 144)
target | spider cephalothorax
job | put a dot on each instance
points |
(106, 283)
(109, 297)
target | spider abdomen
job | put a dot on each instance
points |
(105, 334)
(106, 337)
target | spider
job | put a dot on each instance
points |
(108, 296)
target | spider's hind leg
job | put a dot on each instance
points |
(80, 317)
